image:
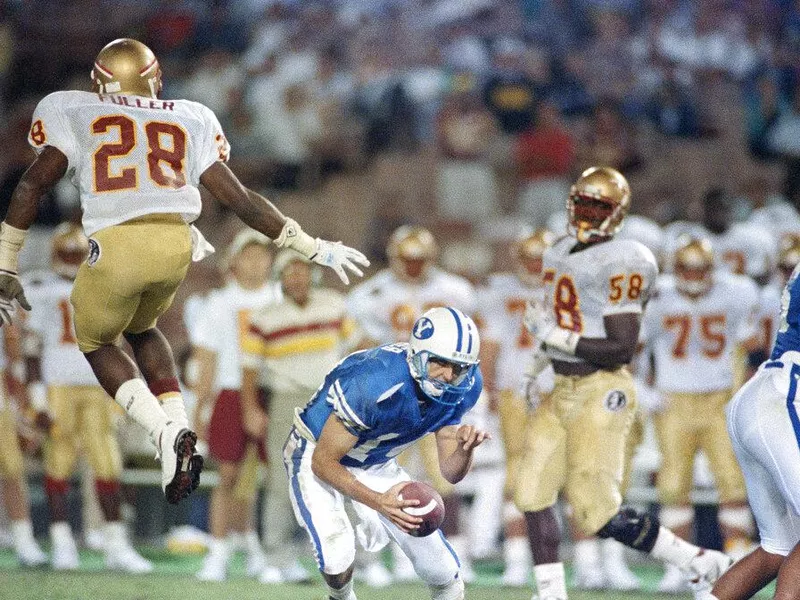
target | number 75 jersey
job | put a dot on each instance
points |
(129, 155)
(584, 286)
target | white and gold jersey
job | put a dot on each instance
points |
(295, 346)
(583, 287)
(768, 314)
(386, 307)
(501, 307)
(51, 320)
(693, 340)
(223, 324)
(129, 155)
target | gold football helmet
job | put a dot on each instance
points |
(528, 251)
(127, 66)
(597, 204)
(69, 249)
(411, 250)
(789, 254)
(694, 265)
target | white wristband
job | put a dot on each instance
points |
(562, 339)
(11, 240)
(37, 392)
(292, 236)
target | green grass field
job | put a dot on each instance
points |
(174, 579)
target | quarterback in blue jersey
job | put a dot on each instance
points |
(764, 428)
(340, 455)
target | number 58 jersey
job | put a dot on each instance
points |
(129, 155)
(584, 286)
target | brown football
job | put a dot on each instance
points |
(430, 508)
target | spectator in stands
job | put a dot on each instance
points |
(466, 130)
(763, 103)
(214, 80)
(784, 141)
(510, 93)
(568, 85)
(609, 139)
(545, 156)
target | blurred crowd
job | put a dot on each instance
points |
(471, 118)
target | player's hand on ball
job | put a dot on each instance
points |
(391, 506)
(469, 437)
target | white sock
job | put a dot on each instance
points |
(704, 595)
(672, 549)
(251, 543)
(116, 534)
(174, 407)
(22, 532)
(219, 548)
(142, 406)
(516, 551)
(613, 552)
(61, 534)
(550, 581)
(587, 553)
(343, 593)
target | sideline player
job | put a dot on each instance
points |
(340, 455)
(764, 429)
(138, 161)
(595, 291)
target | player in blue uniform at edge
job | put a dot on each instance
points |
(764, 428)
(341, 451)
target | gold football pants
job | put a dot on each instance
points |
(577, 441)
(11, 465)
(133, 279)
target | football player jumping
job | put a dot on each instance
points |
(340, 455)
(595, 291)
(138, 161)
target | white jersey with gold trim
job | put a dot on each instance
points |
(502, 308)
(693, 340)
(222, 327)
(583, 287)
(129, 155)
(51, 320)
(386, 307)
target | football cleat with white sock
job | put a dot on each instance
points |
(707, 566)
(673, 582)
(30, 555)
(180, 465)
(126, 559)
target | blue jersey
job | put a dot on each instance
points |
(375, 397)
(788, 337)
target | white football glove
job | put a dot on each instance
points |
(541, 323)
(10, 290)
(337, 256)
(538, 379)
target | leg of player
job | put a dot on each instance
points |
(747, 576)
(340, 586)
(516, 551)
(119, 377)
(588, 571)
(215, 565)
(679, 519)
(64, 550)
(15, 500)
(642, 531)
(544, 538)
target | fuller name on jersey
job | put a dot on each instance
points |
(603, 279)
(130, 156)
(375, 397)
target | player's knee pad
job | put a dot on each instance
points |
(634, 528)
(452, 591)
(673, 517)
(738, 518)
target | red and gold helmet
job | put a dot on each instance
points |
(69, 249)
(597, 204)
(788, 254)
(411, 250)
(528, 251)
(694, 265)
(129, 67)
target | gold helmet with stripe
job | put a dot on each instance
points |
(788, 254)
(694, 265)
(127, 66)
(69, 248)
(411, 251)
(597, 204)
(528, 251)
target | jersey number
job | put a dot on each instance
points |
(712, 332)
(618, 287)
(166, 145)
(566, 304)
(67, 333)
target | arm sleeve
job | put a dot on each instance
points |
(214, 145)
(49, 127)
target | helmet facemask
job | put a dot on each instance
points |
(597, 204)
(694, 267)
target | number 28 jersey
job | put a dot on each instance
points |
(129, 155)
(583, 287)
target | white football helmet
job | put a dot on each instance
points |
(446, 334)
